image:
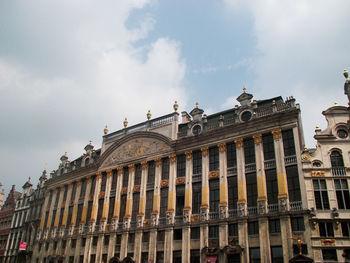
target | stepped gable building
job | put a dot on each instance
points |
(226, 187)
(6, 214)
(327, 172)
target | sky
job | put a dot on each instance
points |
(68, 68)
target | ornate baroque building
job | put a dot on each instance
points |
(226, 187)
(6, 213)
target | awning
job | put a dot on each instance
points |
(211, 259)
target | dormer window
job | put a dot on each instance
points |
(342, 134)
(246, 116)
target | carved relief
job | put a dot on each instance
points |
(180, 180)
(124, 190)
(172, 158)
(139, 221)
(101, 195)
(126, 223)
(136, 188)
(170, 216)
(187, 215)
(305, 157)
(223, 212)
(277, 134)
(134, 149)
(318, 173)
(239, 143)
(120, 170)
(204, 214)
(257, 138)
(158, 161)
(222, 147)
(205, 151)
(242, 209)
(154, 219)
(213, 174)
(262, 207)
(328, 242)
(164, 183)
(188, 155)
(283, 204)
(195, 218)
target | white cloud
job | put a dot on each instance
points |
(303, 50)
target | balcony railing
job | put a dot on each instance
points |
(231, 171)
(120, 225)
(133, 224)
(273, 208)
(232, 213)
(338, 171)
(290, 160)
(296, 205)
(269, 164)
(251, 167)
(213, 215)
(252, 210)
(162, 221)
(178, 219)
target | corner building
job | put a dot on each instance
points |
(219, 188)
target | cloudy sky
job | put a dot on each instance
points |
(68, 68)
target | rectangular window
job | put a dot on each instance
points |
(342, 192)
(268, 146)
(161, 236)
(213, 231)
(195, 256)
(232, 192)
(297, 224)
(79, 213)
(114, 180)
(83, 241)
(94, 241)
(272, 186)
(70, 213)
(65, 193)
(197, 162)
(50, 199)
(81, 259)
(345, 227)
(165, 168)
(277, 254)
(151, 173)
(89, 211)
(326, 229)
(163, 202)
(160, 257)
(125, 177)
(233, 230)
(149, 204)
(83, 188)
(103, 182)
(178, 234)
(99, 210)
(92, 258)
(57, 196)
(214, 195)
(131, 239)
(180, 199)
(231, 155)
(181, 166)
(293, 183)
(138, 174)
(196, 197)
(329, 254)
(135, 206)
(61, 217)
(252, 191)
(254, 255)
(321, 194)
(249, 151)
(145, 237)
(122, 207)
(106, 240)
(195, 233)
(93, 184)
(214, 159)
(118, 240)
(73, 243)
(288, 142)
(74, 189)
(111, 209)
(144, 257)
(253, 228)
(274, 226)
(53, 218)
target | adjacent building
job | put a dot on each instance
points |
(6, 213)
(226, 187)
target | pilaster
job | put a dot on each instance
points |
(86, 200)
(51, 210)
(223, 181)
(156, 197)
(117, 198)
(138, 246)
(128, 210)
(58, 211)
(243, 239)
(106, 199)
(168, 245)
(186, 244)
(286, 237)
(124, 245)
(152, 254)
(170, 214)
(66, 206)
(204, 216)
(42, 219)
(143, 187)
(188, 188)
(75, 204)
(241, 182)
(264, 240)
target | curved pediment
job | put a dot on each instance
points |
(136, 146)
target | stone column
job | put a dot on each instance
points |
(88, 249)
(66, 206)
(168, 245)
(170, 213)
(264, 240)
(86, 201)
(117, 198)
(223, 240)
(111, 245)
(286, 234)
(128, 210)
(188, 190)
(243, 239)
(242, 190)
(106, 199)
(186, 244)
(156, 197)
(95, 201)
(124, 245)
(138, 245)
(77, 250)
(51, 210)
(205, 185)
(281, 171)
(42, 219)
(99, 248)
(152, 254)
(58, 211)
(223, 181)
(75, 206)
(143, 187)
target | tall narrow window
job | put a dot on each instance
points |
(151, 173)
(342, 192)
(254, 255)
(345, 227)
(165, 168)
(277, 254)
(336, 159)
(326, 229)
(252, 193)
(268, 146)
(232, 192)
(79, 213)
(53, 218)
(149, 204)
(321, 194)
(231, 155)
(180, 199)
(103, 182)
(70, 213)
(83, 188)
(61, 217)
(163, 201)
(197, 162)
(89, 211)
(93, 184)
(65, 193)
(214, 196)
(122, 207)
(111, 209)
(50, 198)
(272, 186)
(196, 197)
(135, 206)
(125, 177)
(114, 180)
(293, 183)
(213, 159)
(138, 173)
(57, 196)
(288, 142)
(100, 210)
(214, 232)
(249, 151)
(74, 189)
(181, 166)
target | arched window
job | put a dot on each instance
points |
(337, 159)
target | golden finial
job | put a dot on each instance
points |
(299, 244)
(244, 89)
(346, 74)
(65, 153)
(90, 142)
(335, 103)
(149, 115)
(197, 104)
(175, 106)
(125, 123)
(105, 130)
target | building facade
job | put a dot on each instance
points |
(326, 169)
(226, 187)
(6, 213)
